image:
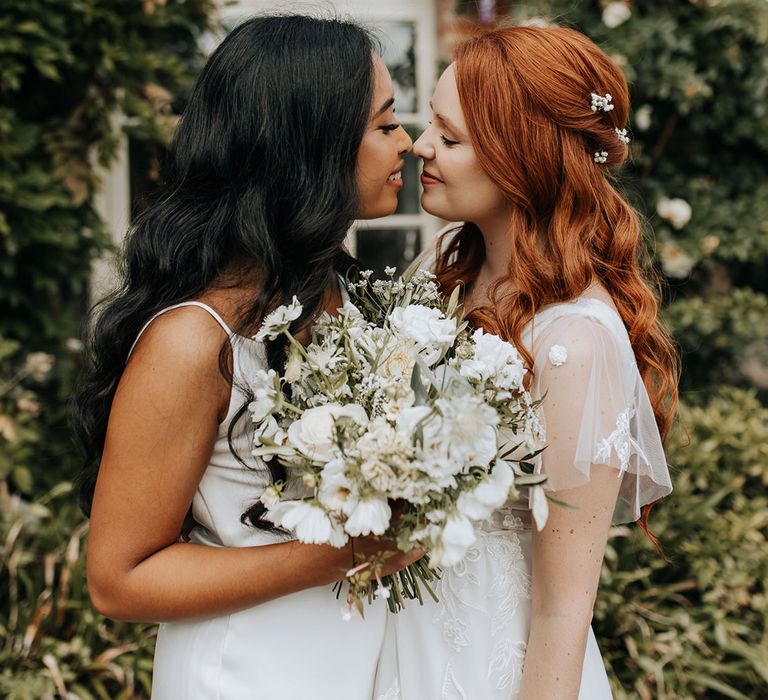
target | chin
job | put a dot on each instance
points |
(437, 208)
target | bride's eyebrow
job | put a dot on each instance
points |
(451, 126)
(385, 107)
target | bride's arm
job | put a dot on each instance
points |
(567, 558)
(162, 428)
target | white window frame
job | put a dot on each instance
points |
(112, 201)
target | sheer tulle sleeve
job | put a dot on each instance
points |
(596, 409)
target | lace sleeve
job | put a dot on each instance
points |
(596, 411)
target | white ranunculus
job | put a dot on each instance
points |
(676, 210)
(336, 492)
(308, 522)
(491, 493)
(371, 516)
(457, 536)
(616, 13)
(314, 433)
(279, 320)
(429, 328)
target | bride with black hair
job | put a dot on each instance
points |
(288, 137)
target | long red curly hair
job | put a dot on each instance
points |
(526, 97)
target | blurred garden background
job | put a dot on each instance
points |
(88, 86)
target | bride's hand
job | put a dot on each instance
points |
(363, 549)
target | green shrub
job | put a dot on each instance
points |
(52, 641)
(696, 627)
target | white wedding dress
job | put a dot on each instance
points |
(471, 645)
(293, 648)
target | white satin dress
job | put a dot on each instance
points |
(472, 644)
(293, 648)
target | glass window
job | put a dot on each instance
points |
(382, 247)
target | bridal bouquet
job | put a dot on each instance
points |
(397, 422)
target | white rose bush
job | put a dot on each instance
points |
(397, 423)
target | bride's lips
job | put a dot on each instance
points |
(395, 178)
(428, 179)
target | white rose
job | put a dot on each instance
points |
(675, 262)
(677, 211)
(616, 13)
(314, 434)
(397, 359)
(457, 536)
(370, 516)
(643, 117)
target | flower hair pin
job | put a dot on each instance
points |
(601, 156)
(621, 134)
(600, 103)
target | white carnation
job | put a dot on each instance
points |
(494, 359)
(429, 328)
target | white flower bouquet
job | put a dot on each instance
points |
(394, 406)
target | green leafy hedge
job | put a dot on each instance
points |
(66, 66)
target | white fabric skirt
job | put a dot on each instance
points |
(472, 643)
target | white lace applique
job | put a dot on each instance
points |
(621, 441)
(484, 592)
(452, 689)
(558, 355)
(507, 657)
(392, 693)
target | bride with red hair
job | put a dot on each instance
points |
(528, 125)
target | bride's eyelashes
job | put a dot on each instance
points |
(446, 141)
(388, 128)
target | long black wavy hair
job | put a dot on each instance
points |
(261, 177)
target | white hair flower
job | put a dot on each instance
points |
(602, 103)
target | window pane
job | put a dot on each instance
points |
(408, 197)
(398, 42)
(380, 248)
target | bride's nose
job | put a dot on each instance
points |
(423, 148)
